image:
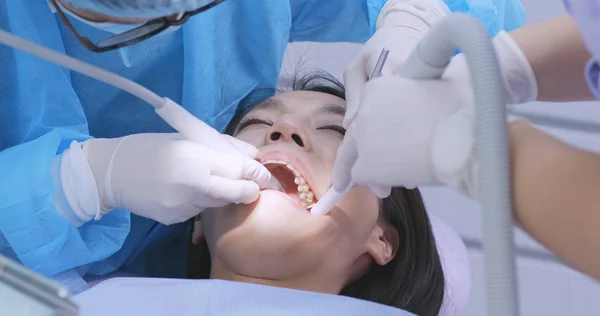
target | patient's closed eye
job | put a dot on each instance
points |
(253, 121)
(335, 128)
(258, 121)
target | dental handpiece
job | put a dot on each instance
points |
(333, 197)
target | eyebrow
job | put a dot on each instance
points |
(332, 109)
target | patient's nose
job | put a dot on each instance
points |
(290, 132)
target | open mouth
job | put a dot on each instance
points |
(289, 181)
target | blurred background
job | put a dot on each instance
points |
(546, 286)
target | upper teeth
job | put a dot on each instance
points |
(306, 195)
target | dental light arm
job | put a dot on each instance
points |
(428, 61)
(174, 114)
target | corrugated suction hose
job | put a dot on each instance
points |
(428, 61)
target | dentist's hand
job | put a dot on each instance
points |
(400, 26)
(167, 178)
(402, 127)
(409, 133)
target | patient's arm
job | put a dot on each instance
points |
(557, 196)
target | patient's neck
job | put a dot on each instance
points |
(313, 283)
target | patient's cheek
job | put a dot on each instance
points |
(254, 137)
(272, 211)
(360, 201)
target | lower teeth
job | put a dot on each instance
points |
(307, 198)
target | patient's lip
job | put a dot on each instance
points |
(295, 202)
(295, 161)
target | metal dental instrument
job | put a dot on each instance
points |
(332, 197)
(24, 292)
(380, 63)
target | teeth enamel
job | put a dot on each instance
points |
(303, 188)
(310, 195)
(306, 195)
(278, 162)
(299, 180)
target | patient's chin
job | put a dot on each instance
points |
(274, 237)
(265, 255)
(268, 224)
(271, 237)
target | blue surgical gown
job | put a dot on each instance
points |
(210, 66)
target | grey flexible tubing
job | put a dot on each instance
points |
(190, 127)
(428, 61)
(84, 68)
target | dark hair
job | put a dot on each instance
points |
(414, 279)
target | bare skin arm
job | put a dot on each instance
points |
(557, 196)
(558, 56)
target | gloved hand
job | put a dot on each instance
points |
(160, 176)
(519, 78)
(400, 26)
(409, 133)
(399, 140)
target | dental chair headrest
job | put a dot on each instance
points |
(456, 265)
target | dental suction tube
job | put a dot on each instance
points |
(81, 67)
(332, 197)
(429, 61)
(189, 126)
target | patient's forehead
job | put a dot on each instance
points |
(304, 96)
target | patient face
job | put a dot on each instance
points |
(276, 238)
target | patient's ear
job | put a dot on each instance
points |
(383, 243)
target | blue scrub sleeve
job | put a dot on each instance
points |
(40, 115)
(355, 20)
(40, 238)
